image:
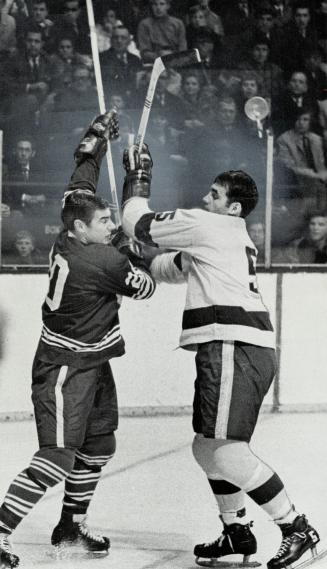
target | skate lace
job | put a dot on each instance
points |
(85, 531)
(4, 544)
(286, 543)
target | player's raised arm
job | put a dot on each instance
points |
(90, 152)
(168, 229)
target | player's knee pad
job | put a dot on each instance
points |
(232, 461)
(205, 454)
(97, 450)
(51, 465)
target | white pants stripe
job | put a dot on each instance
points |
(226, 387)
(60, 405)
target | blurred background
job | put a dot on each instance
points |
(197, 126)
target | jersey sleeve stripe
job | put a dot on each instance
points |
(142, 229)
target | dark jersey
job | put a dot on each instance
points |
(80, 312)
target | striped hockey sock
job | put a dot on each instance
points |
(29, 487)
(81, 483)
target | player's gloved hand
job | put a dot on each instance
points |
(94, 142)
(126, 245)
(135, 159)
(138, 165)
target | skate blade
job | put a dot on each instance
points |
(318, 553)
(71, 551)
(221, 564)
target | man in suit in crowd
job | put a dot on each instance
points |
(301, 151)
(119, 66)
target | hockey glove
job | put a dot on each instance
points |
(126, 246)
(94, 142)
(138, 166)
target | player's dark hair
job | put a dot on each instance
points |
(240, 188)
(81, 205)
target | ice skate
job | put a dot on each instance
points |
(298, 537)
(235, 539)
(7, 557)
(75, 532)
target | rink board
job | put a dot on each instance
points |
(155, 373)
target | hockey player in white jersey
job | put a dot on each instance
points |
(227, 324)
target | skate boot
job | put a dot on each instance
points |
(235, 539)
(298, 537)
(7, 558)
(73, 530)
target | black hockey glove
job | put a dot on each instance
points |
(94, 142)
(138, 166)
(126, 246)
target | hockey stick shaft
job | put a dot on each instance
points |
(102, 106)
(158, 68)
(174, 61)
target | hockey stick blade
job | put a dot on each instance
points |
(181, 59)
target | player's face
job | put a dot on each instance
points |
(217, 201)
(318, 228)
(100, 228)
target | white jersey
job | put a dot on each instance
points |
(222, 300)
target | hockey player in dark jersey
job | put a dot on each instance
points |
(73, 389)
(226, 322)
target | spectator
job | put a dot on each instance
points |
(74, 24)
(160, 33)
(196, 19)
(286, 106)
(190, 96)
(105, 27)
(211, 19)
(29, 74)
(256, 230)
(316, 72)
(265, 30)
(119, 66)
(81, 95)
(131, 12)
(312, 247)
(210, 49)
(282, 12)
(39, 20)
(67, 107)
(303, 36)
(23, 173)
(7, 30)
(24, 251)
(301, 151)
(63, 61)
(271, 76)
(238, 18)
(321, 24)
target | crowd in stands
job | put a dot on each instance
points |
(276, 49)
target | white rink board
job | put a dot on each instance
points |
(153, 372)
(304, 339)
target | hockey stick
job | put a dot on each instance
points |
(171, 61)
(102, 106)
